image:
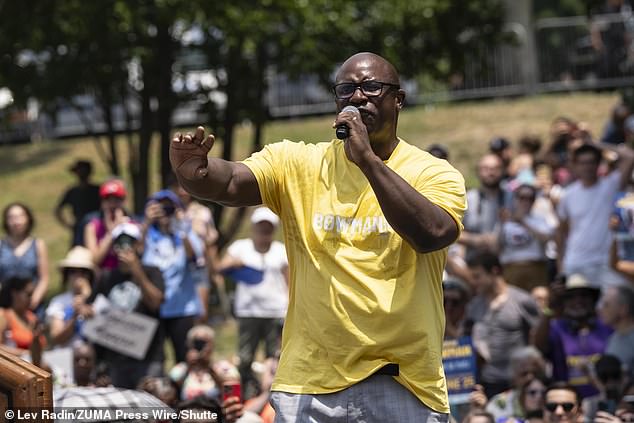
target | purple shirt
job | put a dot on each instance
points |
(571, 348)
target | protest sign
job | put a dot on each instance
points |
(458, 358)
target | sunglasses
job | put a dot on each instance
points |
(567, 406)
(535, 392)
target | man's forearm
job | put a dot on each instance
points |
(213, 186)
(425, 226)
(227, 183)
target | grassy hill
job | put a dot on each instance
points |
(37, 174)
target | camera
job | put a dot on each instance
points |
(123, 242)
(199, 344)
(168, 209)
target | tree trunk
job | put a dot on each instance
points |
(165, 48)
(140, 179)
(230, 112)
(106, 106)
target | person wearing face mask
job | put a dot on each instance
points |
(570, 335)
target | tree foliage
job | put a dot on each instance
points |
(115, 50)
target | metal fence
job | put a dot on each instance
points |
(556, 54)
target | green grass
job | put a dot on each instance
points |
(37, 174)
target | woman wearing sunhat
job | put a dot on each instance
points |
(67, 311)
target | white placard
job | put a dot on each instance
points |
(128, 333)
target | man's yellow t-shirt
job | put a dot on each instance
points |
(360, 296)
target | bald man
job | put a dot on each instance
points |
(367, 222)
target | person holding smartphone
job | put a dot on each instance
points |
(199, 374)
(133, 287)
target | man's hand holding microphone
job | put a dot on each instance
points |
(350, 128)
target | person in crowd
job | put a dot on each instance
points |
(84, 364)
(260, 301)
(583, 237)
(614, 132)
(478, 416)
(502, 148)
(209, 408)
(502, 316)
(133, 287)
(485, 204)
(527, 365)
(366, 225)
(522, 167)
(173, 247)
(616, 309)
(569, 334)
(20, 331)
(203, 225)
(456, 296)
(562, 132)
(66, 312)
(162, 388)
(611, 37)
(608, 378)
(439, 150)
(200, 374)
(21, 254)
(261, 404)
(622, 224)
(541, 296)
(562, 404)
(532, 399)
(82, 198)
(625, 407)
(522, 241)
(98, 231)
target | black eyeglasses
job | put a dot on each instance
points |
(552, 406)
(368, 88)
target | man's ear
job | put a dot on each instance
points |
(400, 99)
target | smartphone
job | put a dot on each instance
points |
(609, 406)
(232, 389)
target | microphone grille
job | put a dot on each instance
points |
(350, 109)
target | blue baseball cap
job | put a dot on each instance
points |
(166, 194)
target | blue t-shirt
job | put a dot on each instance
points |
(167, 252)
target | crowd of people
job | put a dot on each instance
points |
(541, 278)
(161, 265)
(540, 281)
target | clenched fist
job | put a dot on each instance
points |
(188, 154)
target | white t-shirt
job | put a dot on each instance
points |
(519, 244)
(269, 298)
(61, 307)
(588, 211)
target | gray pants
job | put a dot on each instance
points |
(251, 331)
(378, 398)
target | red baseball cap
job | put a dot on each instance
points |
(113, 188)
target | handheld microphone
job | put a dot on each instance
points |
(342, 132)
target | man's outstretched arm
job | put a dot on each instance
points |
(207, 178)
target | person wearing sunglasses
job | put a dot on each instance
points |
(561, 404)
(367, 220)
